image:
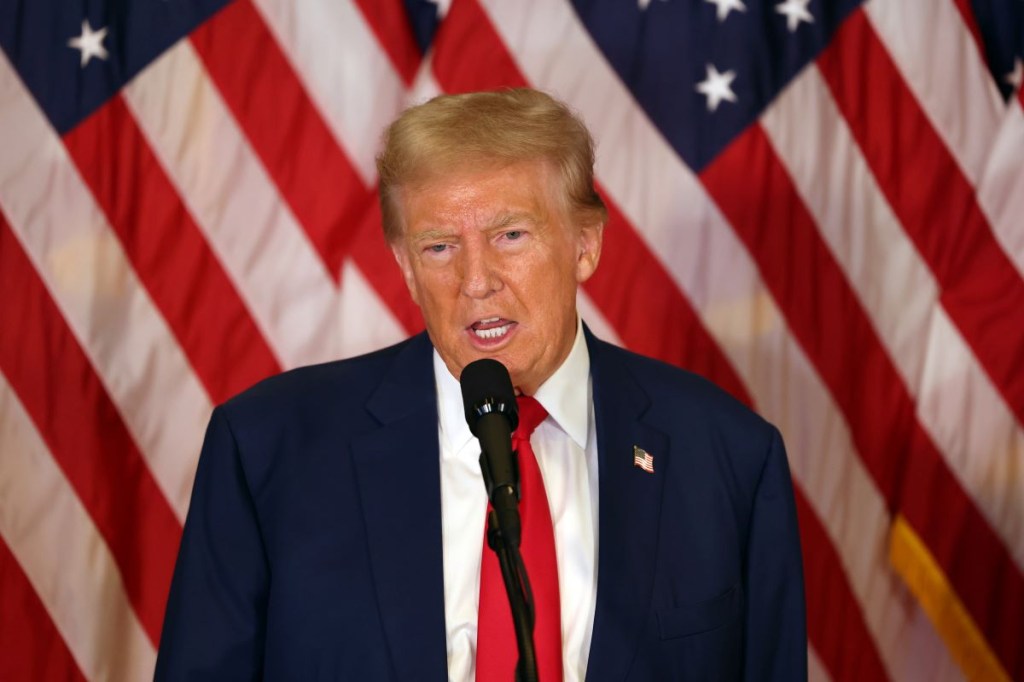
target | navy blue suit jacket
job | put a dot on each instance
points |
(312, 549)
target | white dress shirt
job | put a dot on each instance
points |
(566, 448)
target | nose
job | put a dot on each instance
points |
(480, 278)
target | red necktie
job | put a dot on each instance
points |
(496, 651)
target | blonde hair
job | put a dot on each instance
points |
(484, 130)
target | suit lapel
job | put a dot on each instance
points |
(398, 474)
(629, 513)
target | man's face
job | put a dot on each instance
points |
(493, 261)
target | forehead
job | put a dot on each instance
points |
(480, 197)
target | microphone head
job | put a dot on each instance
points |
(487, 388)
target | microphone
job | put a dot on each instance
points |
(492, 415)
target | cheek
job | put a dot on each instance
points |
(553, 292)
(435, 292)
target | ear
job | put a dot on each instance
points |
(405, 264)
(589, 242)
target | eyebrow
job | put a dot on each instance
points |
(431, 235)
(512, 217)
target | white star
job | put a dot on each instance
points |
(1016, 77)
(795, 11)
(716, 87)
(90, 43)
(725, 6)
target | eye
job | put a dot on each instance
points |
(513, 235)
(437, 248)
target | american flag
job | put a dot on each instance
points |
(818, 204)
(643, 459)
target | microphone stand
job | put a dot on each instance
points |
(517, 585)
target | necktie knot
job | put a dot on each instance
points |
(531, 414)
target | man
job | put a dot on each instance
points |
(336, 523)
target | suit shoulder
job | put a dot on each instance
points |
(306, 416)
(331, 385)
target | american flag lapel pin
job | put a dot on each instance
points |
(643, 459)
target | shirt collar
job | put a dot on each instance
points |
(560, 395)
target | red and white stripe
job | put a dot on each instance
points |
(1001, 187)
(54, 217)
(901, 297)
(81, 589)
(217, 223)
(285, 284)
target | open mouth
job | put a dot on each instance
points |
(491, 329)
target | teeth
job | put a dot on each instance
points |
(489, 320)
(492, 333)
